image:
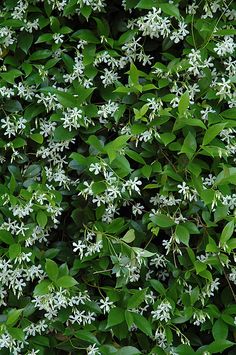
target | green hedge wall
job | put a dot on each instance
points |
(117, 177)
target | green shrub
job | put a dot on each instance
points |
(118, 174)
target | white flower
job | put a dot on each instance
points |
(179, 34)
(232, 275)
(226, 47)
(224, 88)
(113, 192)
(79, 246)
(184, 189)
(109, 77)
(162, 312)
(160, 337)
(95, 168)
(93, 350)
(205, 113)
(23, 257)
(200, 317)
(158, 261)
(105, 305)
(72, 118)
(107, 110)
(210, 288)
(132, 184)
(137, 209)
(58, 37)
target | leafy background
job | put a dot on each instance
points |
(117, 187)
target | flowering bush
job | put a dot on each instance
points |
(118, 175)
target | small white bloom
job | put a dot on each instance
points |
(106, 305)
(162, 312)
(93, 350)
(58, 38)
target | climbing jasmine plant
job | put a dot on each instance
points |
(118, 177)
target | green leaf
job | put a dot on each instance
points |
(115, 316)
(189, 146)
(83, 93)
(219, 346)
(69, 63)
(121, 166)
(227, 232)
(98, 187)
(62, 134)
(40, 54)
(135, 300)
(6, 237)
(112, 148)
(129, 236)
(199, 266)
(32, 111)
(13, 106)
(208, 196)
(129, 318)
(41, 340)
(42, 288)
(95, 142)
(86, 11)
(220, 330)
(12, 184)
(206, 275)
(183, 234)
(167, 137)
(225, 32)
(32, 171)
(134, 74)
(170, 9)
(182, 122)
(46, 37)
(128, 350)
(185, 349)
(41, 218)
(228, 175)
(79, 158)
(163, 221)
(143, 324)
(102, 26)
(145, 253)
(135, 156)
(14, 250)
(87, 336)
(11, 75)
(230, 113)
(212, 132)
(25, 41)
(18, 142)
(51, 269)
(13, 316)
(37, 137)
(146, 170)
(67, 99)
(66, 281)
(183, 103)
(16, 333)
(147, 4)
(157, 285)
(86, 35)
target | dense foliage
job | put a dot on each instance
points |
(118, 175)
